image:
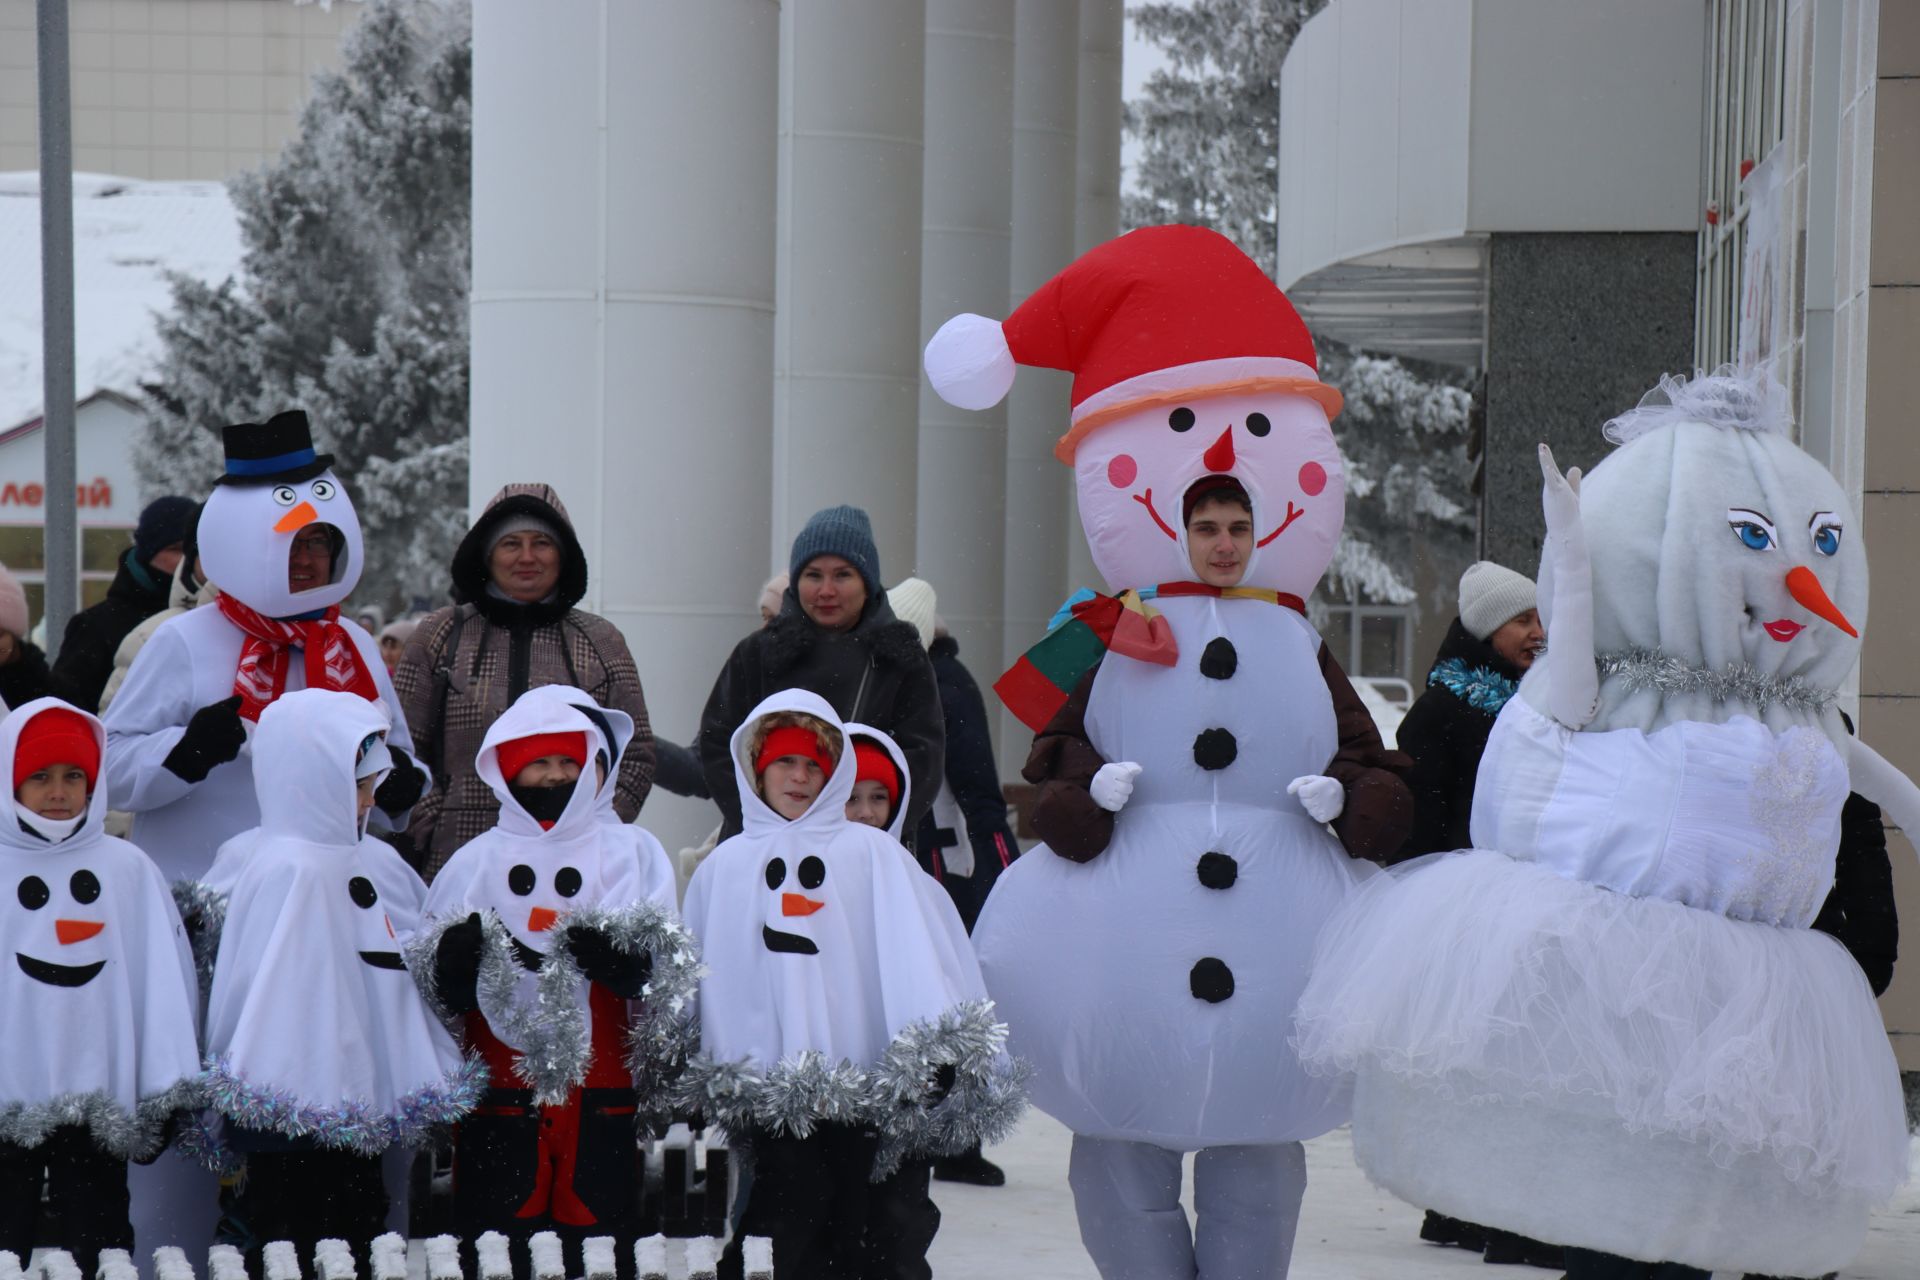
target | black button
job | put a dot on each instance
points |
(1211, 980)
(360, 889)
(1215, 749)
(1219, 661)
(1217, 870)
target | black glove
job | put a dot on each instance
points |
(214, 736)
(168, 1133)
(405, 783)
(456, 966)
(620, 972)
(942, 1084)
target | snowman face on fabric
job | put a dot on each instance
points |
(793, 900)
(63, 913)
(248, 536)
(534, 900)
(371, 921)
(1133, 473)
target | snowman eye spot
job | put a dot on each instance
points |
(360, 889)
(813, 872)
(284, 495)
(321, 489)
(521, 879)
(1181, 419)
(33, 893)
(566, 882)
(1826, 531)
(1259, 424)
(776, 873)
(1755, 531)
(85, 886)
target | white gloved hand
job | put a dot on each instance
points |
(1113, 785)
(1322, 797)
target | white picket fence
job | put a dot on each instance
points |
(395, 1258)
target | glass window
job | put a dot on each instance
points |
(100, 548)
(1338, 634)
(1380, 647)
(22, 547)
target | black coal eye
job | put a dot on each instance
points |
(812, 872)
(1257, 423)
(776, 873)
(1181, 419)
(33, 893)
(362, 892)
(85, 886)
(566, 882)
(521, 879)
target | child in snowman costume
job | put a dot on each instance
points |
(879, 779)
(102, 1008)
(1608, 1024)
(845, 1033)
(1148, 956)
(555, 944)
(321, 1053)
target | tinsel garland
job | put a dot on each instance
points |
(352, 1125)
(1480, 688)
(192, 898)
(134, 1135)
(894, 1095)
(1650, 669)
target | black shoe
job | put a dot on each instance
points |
(1438, 1228)
(971, 1168)
(1507, 1249)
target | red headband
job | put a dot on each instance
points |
(517, 753)
(56, 736)
(875, 765)
(791, 740)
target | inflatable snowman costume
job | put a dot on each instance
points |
(1609, 1025)
(1147, 960)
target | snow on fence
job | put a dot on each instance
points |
(393, 1258)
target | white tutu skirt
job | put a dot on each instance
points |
(1621, 1074)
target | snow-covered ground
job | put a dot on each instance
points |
(127, 235)
(1349, 1229)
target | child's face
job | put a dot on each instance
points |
(58, 791)
(363, 794)
(548, 771)
(869, 804)
(790, 784)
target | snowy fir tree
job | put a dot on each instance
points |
(1208, 127)
(351, 301)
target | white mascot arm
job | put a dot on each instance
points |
(1873, 776)
(1112, 787)
(1322, 797)
(1573, 683)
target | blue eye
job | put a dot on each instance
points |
(1826, 540)
(1753, 536)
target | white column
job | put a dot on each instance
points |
(1045, 62)
(965, 243)
(847, 355)
(623, 180)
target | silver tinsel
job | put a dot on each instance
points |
(350, 1125)
(131, 1135)
(190, 897)
(1650, 669)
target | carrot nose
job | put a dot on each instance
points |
(1219, 454)
(798, 904)
(298, 518)
(541, 919)
(72, 931)
(1806, 589)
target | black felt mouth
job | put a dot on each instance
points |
(529, 958)
(59, 975)
(384, 959)
(790, 943)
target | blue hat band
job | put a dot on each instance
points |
(267, 466)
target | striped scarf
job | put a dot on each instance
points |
(332, 659)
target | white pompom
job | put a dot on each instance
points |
(968, 362)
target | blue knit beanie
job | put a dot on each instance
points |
(164, 522)
(838, 531)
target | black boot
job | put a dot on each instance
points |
(1438, 1228)
(971, 1168)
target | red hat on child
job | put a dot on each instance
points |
(876, 765)
(516, 754)
(56, 736)
(791, 740)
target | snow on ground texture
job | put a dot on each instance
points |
(1349, 1229)
(127, 234)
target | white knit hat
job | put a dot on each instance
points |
(913, 602)
(1492, 595)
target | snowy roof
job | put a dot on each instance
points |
(127, 234)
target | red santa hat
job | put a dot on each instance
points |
(1160, 315)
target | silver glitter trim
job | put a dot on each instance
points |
(1650, 669)
(352, 1125)
(135, 1135)
(191, 897)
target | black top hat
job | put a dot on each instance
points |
(277, 451)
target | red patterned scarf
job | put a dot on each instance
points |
(332, 660)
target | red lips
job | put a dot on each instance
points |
(1783, 629)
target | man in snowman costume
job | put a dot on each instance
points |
(1147, 959)
(280, 536)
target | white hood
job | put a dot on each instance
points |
(857, 730)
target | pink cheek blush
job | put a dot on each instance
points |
(1313, 478)
(1122, 471)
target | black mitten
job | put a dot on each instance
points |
(623, 973)
(405, 783)
(456, 966)
(943, 1078)
(214, 736)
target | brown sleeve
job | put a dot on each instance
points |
(1062, 764)
(1379, 813)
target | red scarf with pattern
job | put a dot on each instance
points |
(332, 659)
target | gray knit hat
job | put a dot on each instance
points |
(838, 531)
(1491, 596)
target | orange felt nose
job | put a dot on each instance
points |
(541, 919)
(1806, 589)
(798, 904)
(1219, 454)
(71, 931)
(298, 518)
